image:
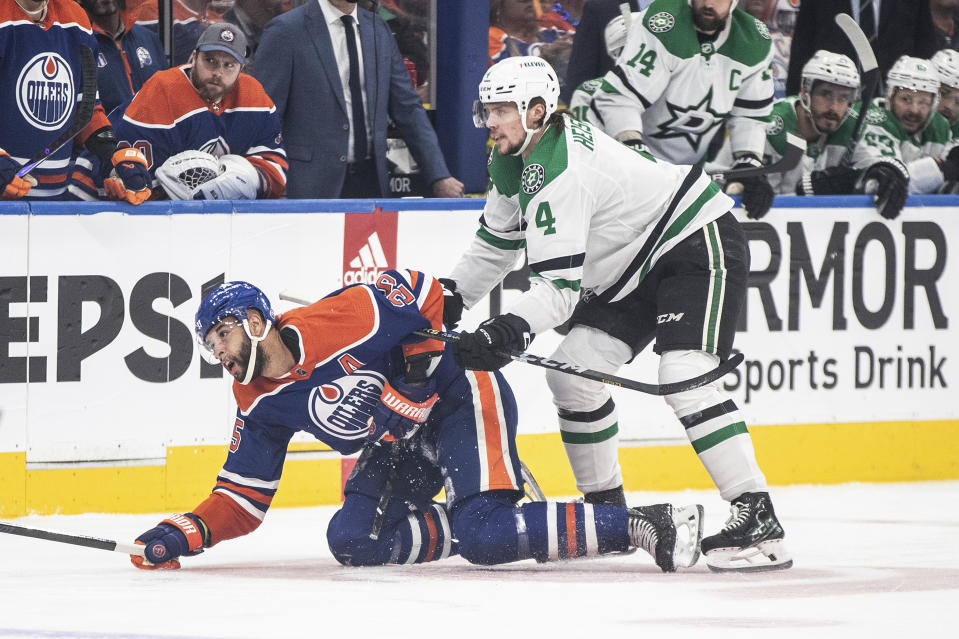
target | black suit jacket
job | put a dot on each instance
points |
(588, 58)
(905, 28)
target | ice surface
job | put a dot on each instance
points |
(871, 560)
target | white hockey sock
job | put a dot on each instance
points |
(714, 425)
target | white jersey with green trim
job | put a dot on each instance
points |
(591, 214)
(884, 138)
(580, 103)
(676, 91)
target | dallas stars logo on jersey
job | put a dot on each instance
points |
(532, 178)
(692, 122)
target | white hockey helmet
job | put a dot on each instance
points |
(914, 74)
(826, 66)
(830, 67)
(947, 65)
(518, 79)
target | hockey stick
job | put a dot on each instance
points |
(82, 117)
(77, 540)
(869, 76)
(613, 380)
(573, 369)
(396, 448)
(795, 149)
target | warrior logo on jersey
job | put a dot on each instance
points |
(661, 22)
(45, 91)
(217, 148)
(775, 125)
(532, 178)
(343, 407)
(692, 122)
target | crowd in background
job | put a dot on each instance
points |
(570, 35)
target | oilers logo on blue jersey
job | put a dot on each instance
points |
(45, 91)
(343, 406)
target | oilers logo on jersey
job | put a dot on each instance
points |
(46, 92)
(344, 406)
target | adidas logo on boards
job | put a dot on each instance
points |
(368, 264)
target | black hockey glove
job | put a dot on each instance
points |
(757, 193)
(889, 180)
(452, 303)
(487, 348)
(835, 180)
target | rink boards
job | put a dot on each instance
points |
(106, 406)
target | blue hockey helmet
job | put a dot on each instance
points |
(231, 298)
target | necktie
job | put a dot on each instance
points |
(356, 93)
(867, 19)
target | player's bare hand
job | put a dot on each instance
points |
(448, 187)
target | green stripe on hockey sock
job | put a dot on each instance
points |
(589, 438)
(716, 437)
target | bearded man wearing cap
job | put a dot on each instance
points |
(207, 130)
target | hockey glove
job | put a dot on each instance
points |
(238, 180)
(487, 349)
(403, 408)
(179, 535)
(14, 187)
(130, 180)
(757, 193)
(950, 170)
(452, 303)
(835, 180)
(889, 180)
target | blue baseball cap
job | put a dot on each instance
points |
(226, 37)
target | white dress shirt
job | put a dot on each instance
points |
(340, 52)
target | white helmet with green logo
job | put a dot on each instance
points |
(914, 74)
(518, 79)
(947, 65)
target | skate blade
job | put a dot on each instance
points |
(766, 555)
(686, 550)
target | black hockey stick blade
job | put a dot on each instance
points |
(76, 540)
(613, 380)
(792, 156)
(82, 116)
(868, 76)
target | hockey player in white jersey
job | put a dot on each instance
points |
(819, 115)
(639, 240)
(947, 66)
(580, 104)
(689, 66)
(905, 138)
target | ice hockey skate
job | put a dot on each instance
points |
(751, 540)
(671, 535)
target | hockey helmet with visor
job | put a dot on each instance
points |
(518, 79)
(226, 307)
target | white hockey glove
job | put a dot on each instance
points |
(182, 173)
(238, 180)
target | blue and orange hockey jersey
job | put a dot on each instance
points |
(42, 78)
(346, 346)
(168, 116)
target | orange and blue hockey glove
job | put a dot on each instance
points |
(129, 180)
(180, 535)
(14, 187)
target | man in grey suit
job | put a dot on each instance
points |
(308, 61)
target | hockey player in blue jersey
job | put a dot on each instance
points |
(203, 116)
(349, 371)
(40, 62)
